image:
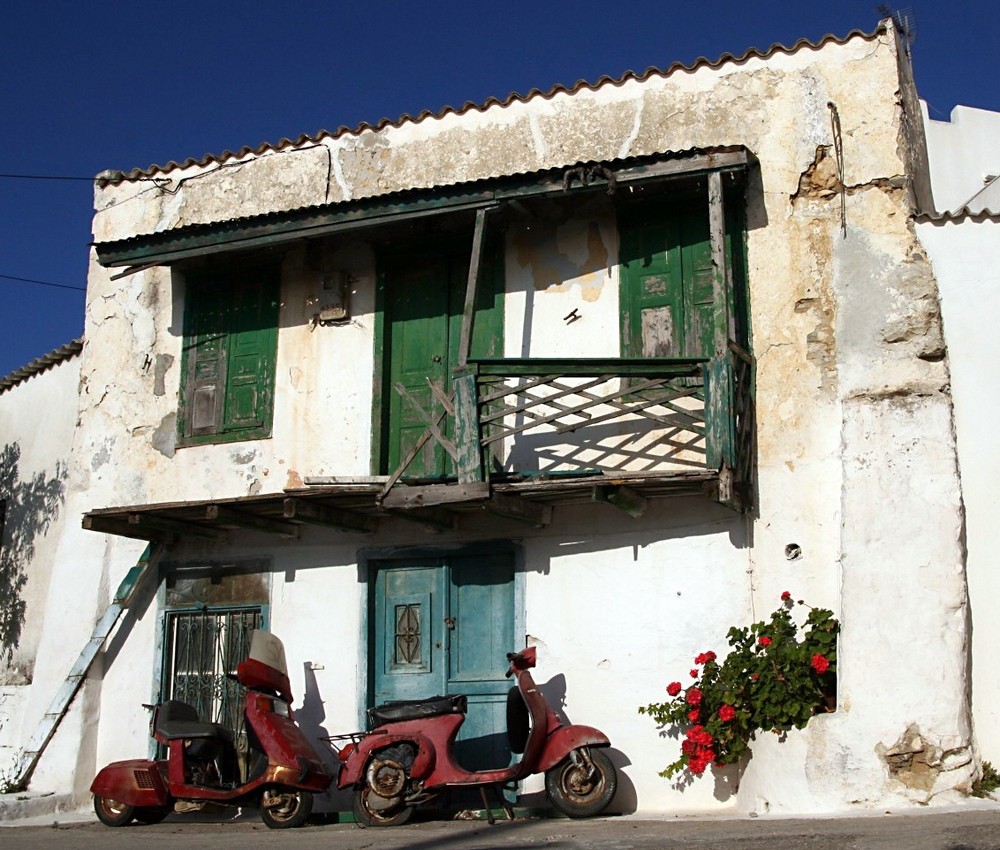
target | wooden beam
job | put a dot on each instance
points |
(469, 452)
(522, 510)
(623, 498)
(475, 267)
(406, 498)
(229, 516)
(178, 527)
(432, 519)
(338, 518)
(724, 320)
(106, 525)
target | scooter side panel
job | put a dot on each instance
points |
(566, 739)
(354, 768)
(287, 747)
(137, 782)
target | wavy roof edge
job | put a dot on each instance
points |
(112, 177)
(41, 364)
(964, 214)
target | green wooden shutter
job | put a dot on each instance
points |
(666, 283)
(253, 334)
(206, 358)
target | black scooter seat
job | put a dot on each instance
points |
(416, 709)
(177, 719)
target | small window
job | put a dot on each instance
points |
(230, 346)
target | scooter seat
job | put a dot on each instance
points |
(415, 709)
(177, 719)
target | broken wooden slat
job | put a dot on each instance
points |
(428, 419)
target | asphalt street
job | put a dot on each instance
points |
(967, 829)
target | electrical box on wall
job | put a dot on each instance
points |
(334, 298)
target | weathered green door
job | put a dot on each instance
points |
(667, 283)
(424, 297)
(443, 625)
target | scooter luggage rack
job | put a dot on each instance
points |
(350, 739)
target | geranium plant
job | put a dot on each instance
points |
(772, 679)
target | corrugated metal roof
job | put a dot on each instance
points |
(41, 364)
(469, 193)
(114, 177)
(959, 215)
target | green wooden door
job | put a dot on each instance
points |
(443, 625)
(667, 283)
(424, 297)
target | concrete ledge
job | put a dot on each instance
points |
(42, 808)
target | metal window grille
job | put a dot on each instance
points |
(202, 647)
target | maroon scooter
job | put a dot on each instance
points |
(408, 757)
(280, 774)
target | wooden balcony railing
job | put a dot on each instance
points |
(661, 418)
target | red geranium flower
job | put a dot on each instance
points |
(693, 696)
(819, 663)
(694, 673)
(693, 715)
(705, 657)
(726, 713)
(764, 640)
(674, 688)
(786, 596)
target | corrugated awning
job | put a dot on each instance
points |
(269, 230)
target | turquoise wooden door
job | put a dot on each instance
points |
(444, 625)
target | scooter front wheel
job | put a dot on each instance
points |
(370, 809)
(285, 808)
(111, 812)
(583, 784)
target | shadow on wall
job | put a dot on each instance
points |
(31, 507)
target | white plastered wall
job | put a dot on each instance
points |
(853, 430)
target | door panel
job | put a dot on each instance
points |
(444, 626)
(409, 657)
(424, 301)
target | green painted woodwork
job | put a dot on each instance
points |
(443, 624)
(668, 278)
(423, 295)
(230, 346)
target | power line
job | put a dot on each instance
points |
(43, 282)
(43, 177)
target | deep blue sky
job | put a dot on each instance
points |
(86, 86)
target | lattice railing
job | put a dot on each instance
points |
(635, 416)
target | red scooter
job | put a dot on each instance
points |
(408, 757)
(281, 771)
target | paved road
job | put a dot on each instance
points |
(972, 829)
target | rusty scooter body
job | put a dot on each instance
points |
(408, 757)
(282, 769)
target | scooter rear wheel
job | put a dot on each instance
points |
(285, 808)
(366, 815)
(578, 792)
(111, 812)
